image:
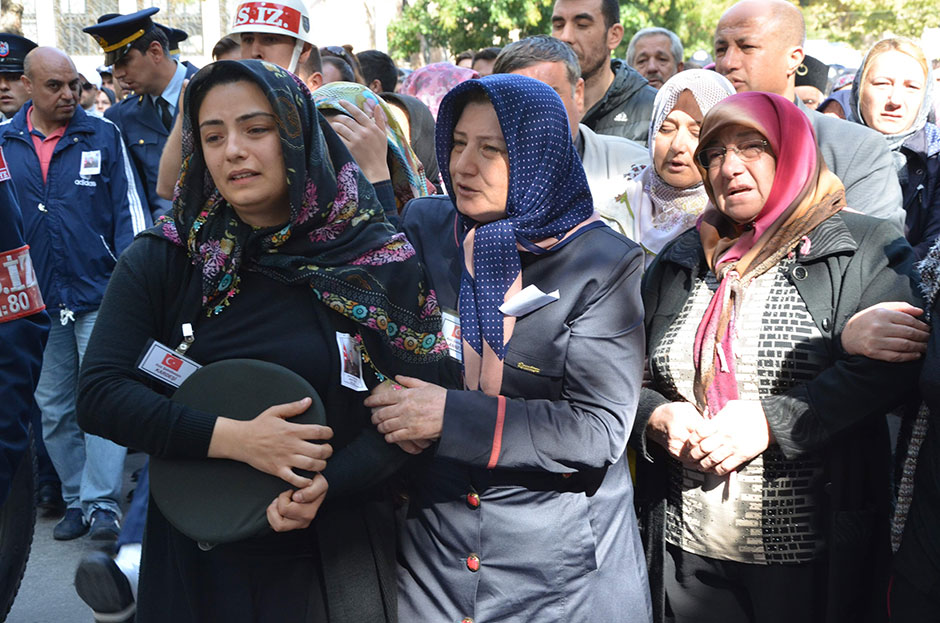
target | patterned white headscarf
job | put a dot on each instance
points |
(676, 209)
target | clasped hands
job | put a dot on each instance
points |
(719, 445)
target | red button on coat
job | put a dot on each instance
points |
(473, 500)
(473, 562)
(466, 620)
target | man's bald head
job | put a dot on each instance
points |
(786, 18)
(759, 45)
(52, 83)
(46, 58)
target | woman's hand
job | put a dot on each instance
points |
(365, 138)
(294, 510)
(271, 445)
(887, 332)
(411, 416)
(737, 434)
(670, 425)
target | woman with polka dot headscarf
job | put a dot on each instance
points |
(521, 502)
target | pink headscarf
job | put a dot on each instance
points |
(432, 82)
(803, 195)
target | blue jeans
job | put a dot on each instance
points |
(132, 528)
(91, 468)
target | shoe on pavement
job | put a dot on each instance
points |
(103, 586)
(71, 526)
(49, 500)
(104, 525)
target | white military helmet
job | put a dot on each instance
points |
(284, 17)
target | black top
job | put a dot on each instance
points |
(283, 326)
(152, 292)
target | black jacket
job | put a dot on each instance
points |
(855, 261)
(626, 108)
(920, 185)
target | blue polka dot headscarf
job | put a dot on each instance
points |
(548, 200)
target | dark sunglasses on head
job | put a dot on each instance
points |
(335, 50)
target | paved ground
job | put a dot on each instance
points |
(47, 594)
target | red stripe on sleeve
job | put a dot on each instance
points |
(498, 433)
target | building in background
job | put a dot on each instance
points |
(59, 23)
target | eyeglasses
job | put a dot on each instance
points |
(87, 86)
(748, 151)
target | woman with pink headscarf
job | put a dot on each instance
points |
(432, 82)
(764, 493)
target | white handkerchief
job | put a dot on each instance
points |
(528, 300)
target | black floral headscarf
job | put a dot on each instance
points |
(337, 239)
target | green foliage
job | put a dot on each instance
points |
(458, 25)
(860, 23)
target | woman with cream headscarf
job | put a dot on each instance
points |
(663, 200)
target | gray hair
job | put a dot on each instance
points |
(675, 44)
(538, 49)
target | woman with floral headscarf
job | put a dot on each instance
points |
(276, 247)
(522, 510)
(663, 200)
(893, 94)
(404, 170)
(764, 494)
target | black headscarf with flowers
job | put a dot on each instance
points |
(337, 239)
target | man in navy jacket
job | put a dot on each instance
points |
(81, 208)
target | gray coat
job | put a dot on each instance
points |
(859, 157)
(553, 524)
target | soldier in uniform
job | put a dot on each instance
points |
(13, 49)
(139, 52)
(174, 37)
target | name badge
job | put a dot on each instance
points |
(91, 163)
(451, 330)
(350, 363)
(165, 364)
(4, 170)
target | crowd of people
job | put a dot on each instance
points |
(594, 339)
